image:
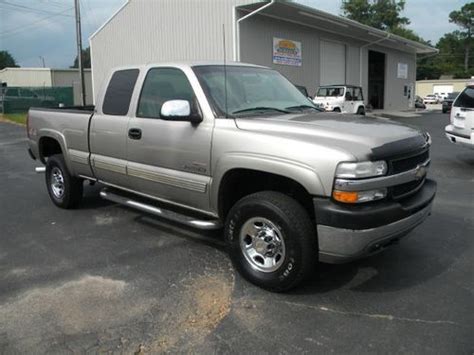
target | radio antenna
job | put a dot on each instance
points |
(225, 72)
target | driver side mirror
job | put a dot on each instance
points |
(179, 110)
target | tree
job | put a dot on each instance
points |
(381, 14)
(7, 60)
(464, 18)
(86, 59)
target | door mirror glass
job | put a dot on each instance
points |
(176, 109)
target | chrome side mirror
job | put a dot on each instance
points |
(176, 109)
(179, 110)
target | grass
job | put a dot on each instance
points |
(15, 117)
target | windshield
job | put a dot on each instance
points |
(466, 98)
(452, 95)
(250, 91)
(330, 91)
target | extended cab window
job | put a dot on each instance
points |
(119, 92)
(161, 85)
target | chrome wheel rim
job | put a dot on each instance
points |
(57, 182)
(262, 244)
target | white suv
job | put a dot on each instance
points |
(461, 129)
(340, 98)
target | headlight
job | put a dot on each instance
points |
(361, 170)
(359, 196)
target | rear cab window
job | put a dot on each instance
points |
(119, 92)
(465, 98)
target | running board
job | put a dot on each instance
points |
(160, 212)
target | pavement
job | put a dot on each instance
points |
(104, 278)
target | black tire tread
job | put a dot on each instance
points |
(301, 222)
(74, 185)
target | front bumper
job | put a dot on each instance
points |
(458, 138)
(346, 233)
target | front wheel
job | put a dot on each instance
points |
(64, 189)
(271, 240)
(361, 111)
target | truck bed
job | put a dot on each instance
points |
(67, 125)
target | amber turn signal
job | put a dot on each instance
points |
(345, 196)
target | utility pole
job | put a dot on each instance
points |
(42, 59)
(79, 51)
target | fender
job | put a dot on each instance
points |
(46, 132)
(301, 173)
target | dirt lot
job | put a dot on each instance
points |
(106, 278)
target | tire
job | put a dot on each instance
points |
(64, 190)
(285, 224)
(361, 111)
(337, 109)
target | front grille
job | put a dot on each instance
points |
(402, 164)
(408, 163)
(406, 189)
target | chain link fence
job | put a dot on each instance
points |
(15, 99)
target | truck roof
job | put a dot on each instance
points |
(188, 64)
(339, 85)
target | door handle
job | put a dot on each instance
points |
(135, 133)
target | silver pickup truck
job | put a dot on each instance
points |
(239, 147)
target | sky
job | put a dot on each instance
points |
(35, 29)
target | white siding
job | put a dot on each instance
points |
(147, 31)
(35, 77)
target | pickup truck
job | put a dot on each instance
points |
(238, 147)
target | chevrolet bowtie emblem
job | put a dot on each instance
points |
(420, 172)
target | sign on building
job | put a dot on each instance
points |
(287, 52)
(402, 72)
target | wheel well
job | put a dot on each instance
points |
(238, 183)
(48, 146)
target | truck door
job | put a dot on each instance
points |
(169, 159)
(109, 127)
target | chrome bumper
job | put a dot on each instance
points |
(338, 245)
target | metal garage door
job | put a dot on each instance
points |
(442, 89)
(333, 63)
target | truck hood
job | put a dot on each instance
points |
(362, 137)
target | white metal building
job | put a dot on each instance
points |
(47, 77)
(309, 46)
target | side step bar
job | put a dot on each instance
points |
(160, 212)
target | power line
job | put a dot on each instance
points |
(13, 32)
(29, 9)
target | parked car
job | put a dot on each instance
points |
(441, 96)
(340, 98)
(461, 128)
(290, 184)
(448, 101)
(419, 102)
(430, 99)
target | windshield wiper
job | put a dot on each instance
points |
(261, 108)
(302, 107)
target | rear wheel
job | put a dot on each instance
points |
(361, 111)
(64, 189)
(271, 240)
(337, 109)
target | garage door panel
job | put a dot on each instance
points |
(333, 63)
